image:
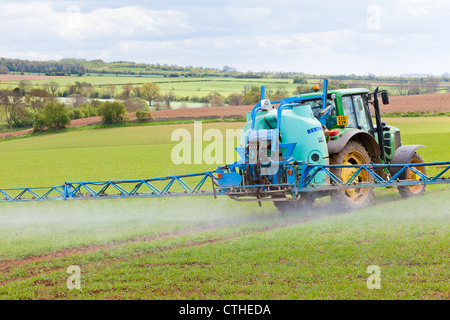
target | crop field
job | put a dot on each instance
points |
(179, 86)
(186, 86)
(206, 248)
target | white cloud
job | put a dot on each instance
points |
(330, 37)
(39, 19)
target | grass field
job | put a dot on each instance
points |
(181, 86)
(206, 248)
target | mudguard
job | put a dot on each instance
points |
(335, 146)
(403, 155)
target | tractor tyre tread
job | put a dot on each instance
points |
(339, 197)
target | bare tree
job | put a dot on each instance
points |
(216, 101)
(403, 88)
(432, 84)
(4, 70)
(38, 98)
(110, 90)
(159, 103)
(25, 86)
(77, 100)
(11, 103)
(235, 99)
(135, 104)
(168, 98)
(52, 86)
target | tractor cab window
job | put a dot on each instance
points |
(347, 105)
(362, 114)
(316, 107)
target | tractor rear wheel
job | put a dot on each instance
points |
(417, 190)
(303, 204)
(349, 199)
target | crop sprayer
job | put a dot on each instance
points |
(292, 151)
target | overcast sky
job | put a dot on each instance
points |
(387, 37)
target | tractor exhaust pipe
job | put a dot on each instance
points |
(376, 107)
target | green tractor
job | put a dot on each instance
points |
(341, 133)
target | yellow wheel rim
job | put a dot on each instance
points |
(411, 175)
(346, 173)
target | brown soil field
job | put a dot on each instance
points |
(441, 84)
(18, 77)
(418, 103)
(423, 102)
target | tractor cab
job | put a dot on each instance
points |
(349, 110)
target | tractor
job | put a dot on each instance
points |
(310, 146)
(330, 127)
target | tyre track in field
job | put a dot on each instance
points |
(7, 266)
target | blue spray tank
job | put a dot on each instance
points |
(273, 144)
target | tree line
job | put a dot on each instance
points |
(70, 66)
(39, 107)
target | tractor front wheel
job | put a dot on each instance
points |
(349, 199)
(416, 190)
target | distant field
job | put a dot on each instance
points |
(179, 86)
(201, 87)
(13, 78)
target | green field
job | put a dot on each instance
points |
(179, 86)
(205, 248)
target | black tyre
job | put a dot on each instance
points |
(349, 199)
(417, 190)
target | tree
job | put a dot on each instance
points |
(126, 92)
(235, 99)
(77, 100)
(112, 112)
(252, 97)
(109, 90)
(22, 117)
(143, 116)
(135, 104)
(216, 101)
(89, 110)
(300, 80)
(54, 116)
(136, 91)
(302, 89)
(279, 94)
(149, 91)
(168, 98)
(38, 98)
(432, 84)
(403, 88)
(52, 86)
(4, 70)
(24, 86)
(10, 102)
(159, 103)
